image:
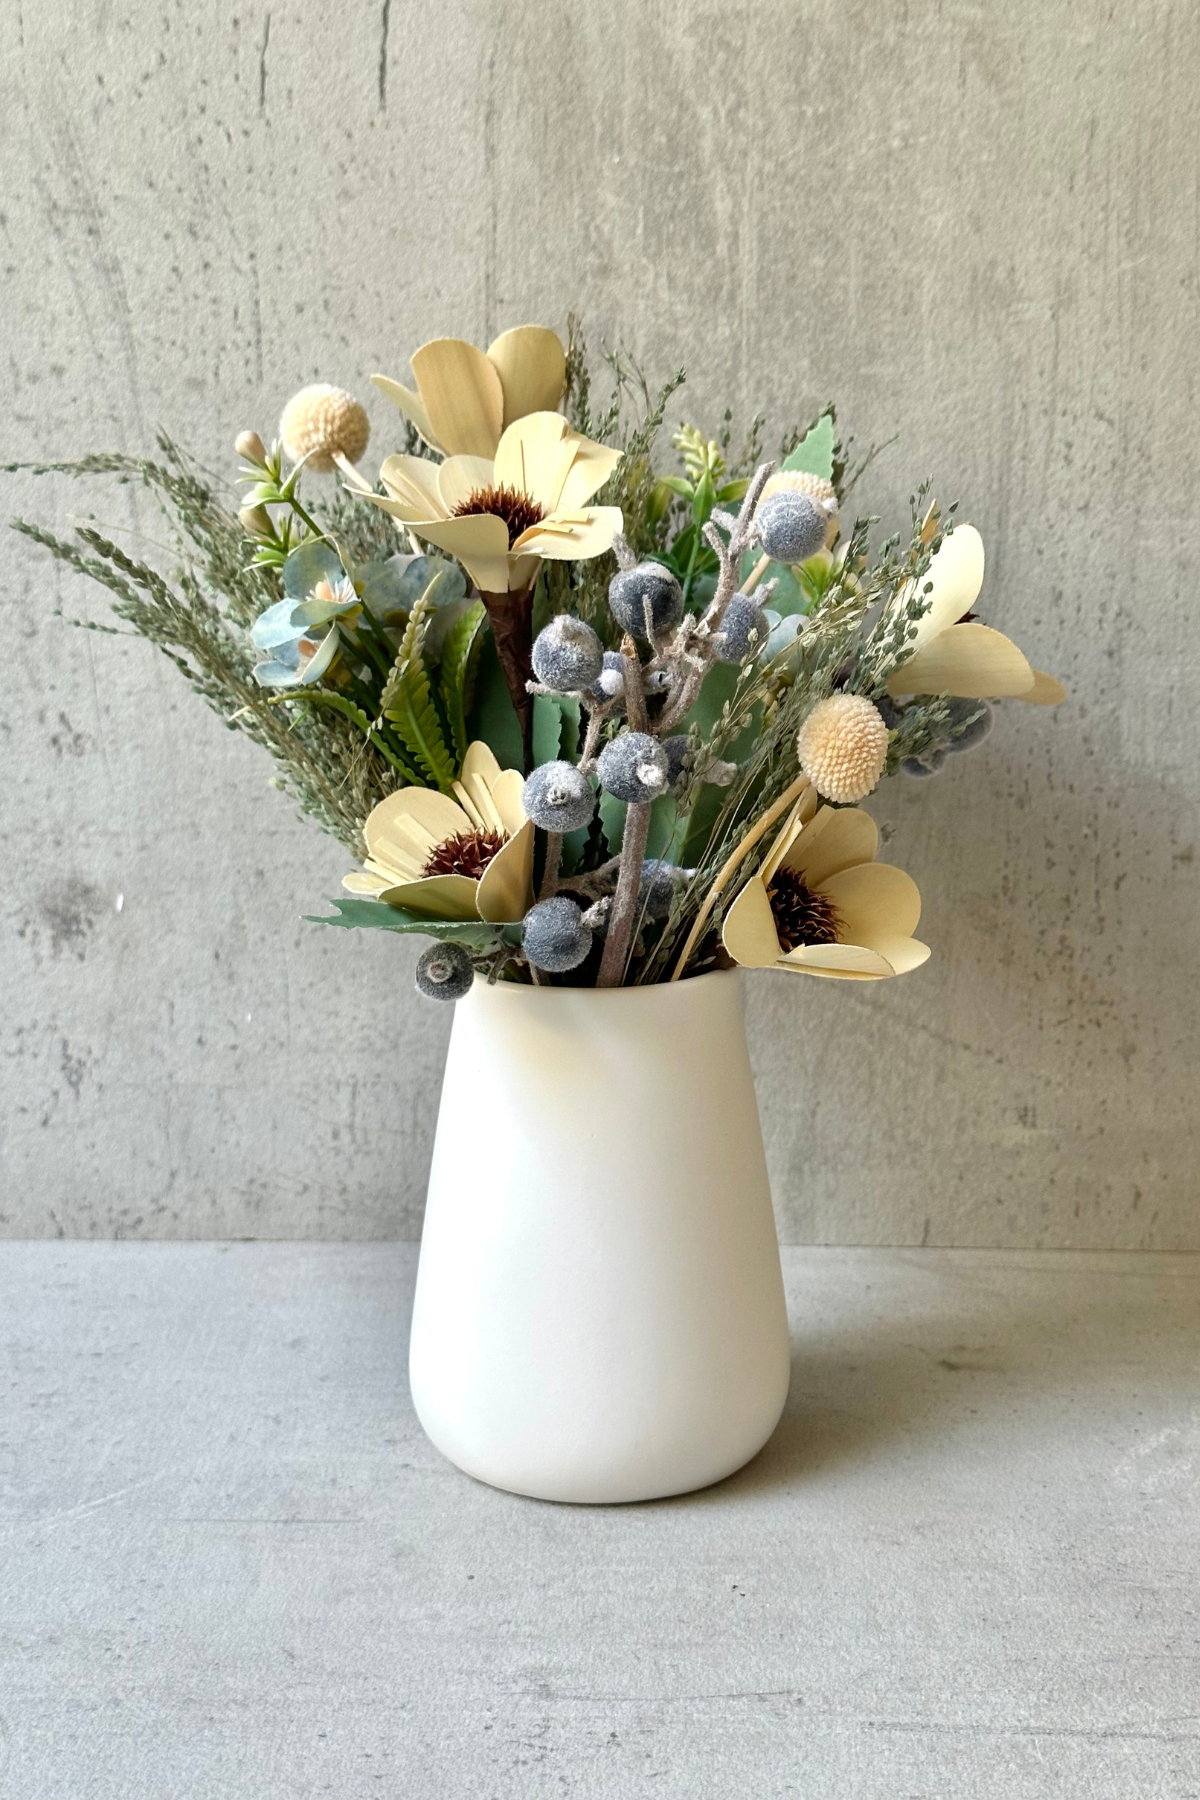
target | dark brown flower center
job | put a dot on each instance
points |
(516, 508)
(801, 917)
(468, 853)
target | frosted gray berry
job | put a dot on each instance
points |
(567, 655)
(633, 767)
(609, 685)
(660, 883)
(675, 749)
(444, 972)
(554, 935)
(977, 730)
(744, 630)
(791, 526)
(630, 590)
(558, 798)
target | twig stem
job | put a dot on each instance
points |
(553, 861)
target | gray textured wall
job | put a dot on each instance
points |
(975, 226)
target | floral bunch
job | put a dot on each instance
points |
(581, 721)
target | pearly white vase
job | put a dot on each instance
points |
(599, 1312)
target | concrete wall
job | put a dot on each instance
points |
(974, 226)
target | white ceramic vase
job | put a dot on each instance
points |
(599, 1312)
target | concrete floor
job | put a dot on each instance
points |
(966, 1565)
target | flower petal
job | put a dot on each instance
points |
(480, 760)
(591, 468)
(532, 367)
(837, 838)
(574, 537)
(969, 660)
(873, 901)
(461, 476)
(480, 542)
(506, 798)
(410, 404)
(1045, 691)
(436, 817)
(904, 953)
(794, 822)
(534, 456)
(854, 962)
(956, 572)
(506, 886)
(463, 396)
(363, 881)
(748, 932)
(438, 896)
(414, 480)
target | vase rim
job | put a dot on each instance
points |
(608, 994)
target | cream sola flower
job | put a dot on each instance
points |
(501, 515)
(821, 904)
(965, 658)
(470, 857)
(464, 398)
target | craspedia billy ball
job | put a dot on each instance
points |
(647, 584)
(842, 747)
(444, 972)
(324, 421)
(558, 798)
(567, 655)
(633, 767)
(744, 630)
(554, 935)
(791, 526)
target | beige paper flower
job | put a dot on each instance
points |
(821, 904)
(969, 659)
(465, 399)
(500, 516)
(469, 858)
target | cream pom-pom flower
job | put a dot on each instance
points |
(470, 857)
(799, 481)
(821, 904)
(967, 659)
(500, 516)
(842, 746)
(466, 398)
(325, 428)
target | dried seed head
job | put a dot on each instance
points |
(801, 916)
(444, 972)
(567, 655)
(633, 767)
(558, 798)
(320, 422)
(842, 747)
(791, 526)
(798, 481)
(554, 935)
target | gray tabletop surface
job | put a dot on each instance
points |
(967, 1565)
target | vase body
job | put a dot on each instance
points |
(599, 1311)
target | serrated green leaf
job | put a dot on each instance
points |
(376, 915)
(662, 824)
(338, 703)
(460, 656)
(547, 729)
(408, 702)
(813, 455)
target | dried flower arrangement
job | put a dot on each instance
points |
(581, 723)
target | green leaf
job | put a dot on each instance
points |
(555, 728)
(492, 717)
(733, 490)
(700, 821)
(677, 485)
(359, 914)
(460, 657)
(339, 703)
(789, 596)
(813, 455)
(408, 703)
(662, 824)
